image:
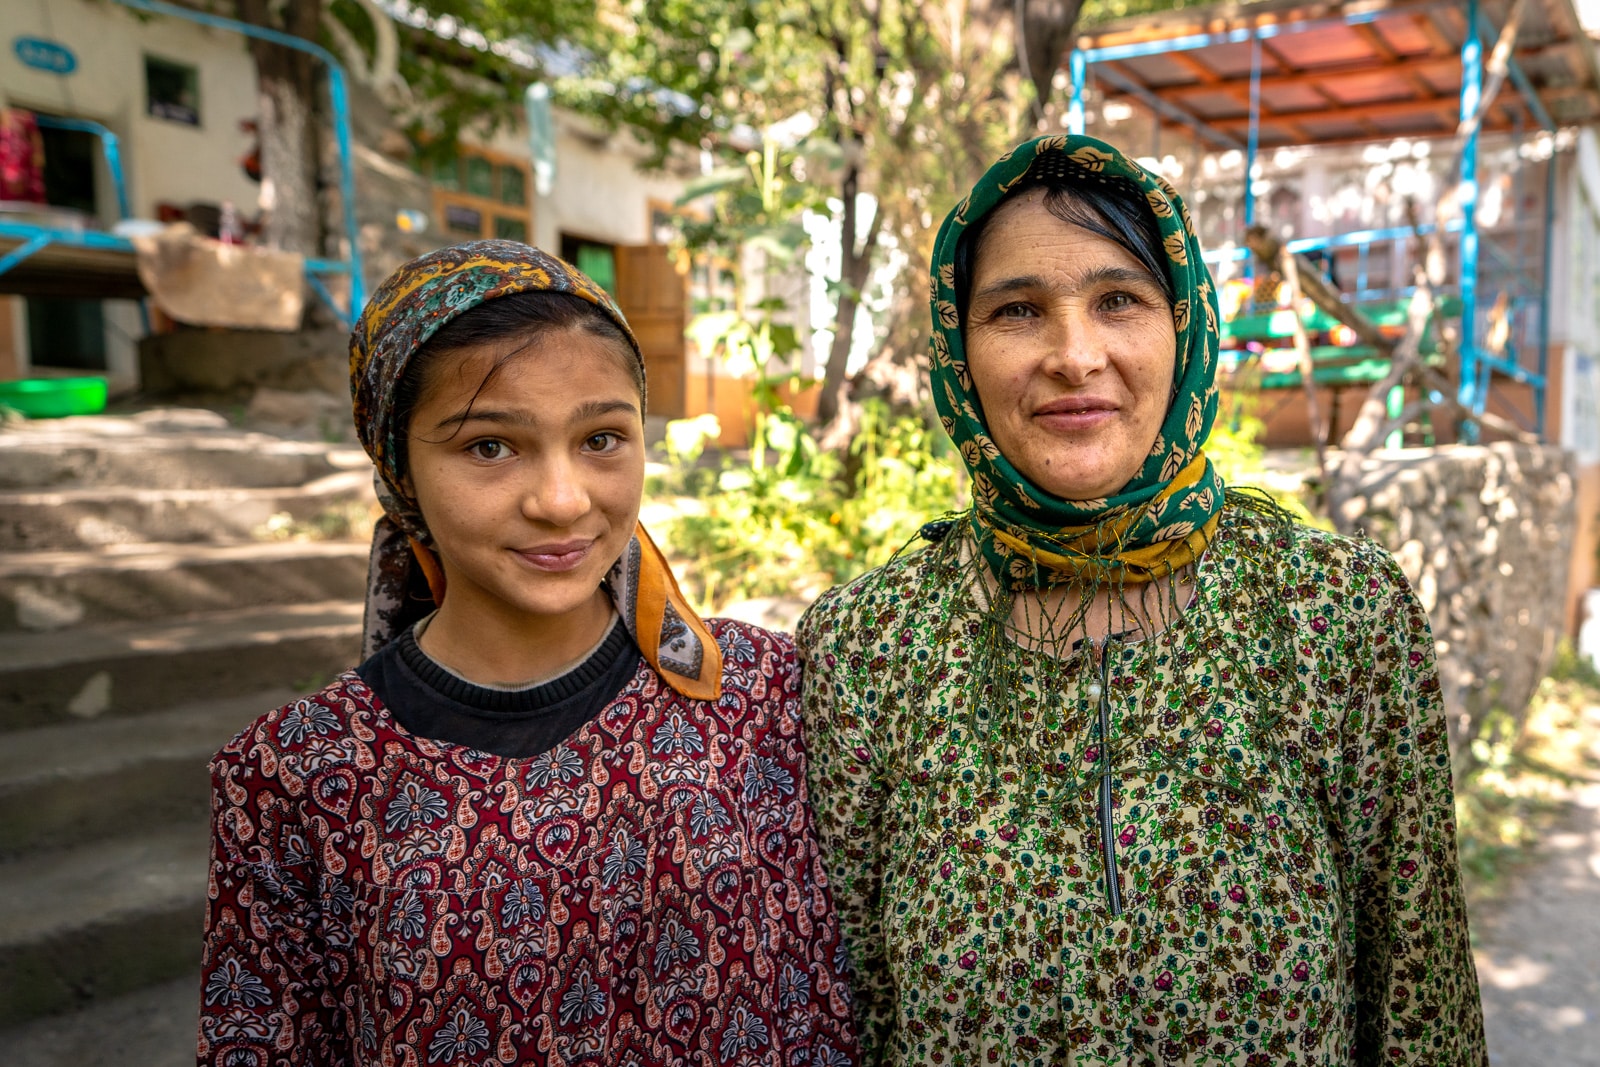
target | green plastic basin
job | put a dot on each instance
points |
(53, 398)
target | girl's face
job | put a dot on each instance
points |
(529, 481)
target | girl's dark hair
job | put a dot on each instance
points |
(1114, 210)
(523, 317)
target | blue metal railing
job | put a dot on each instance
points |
(1529, 296)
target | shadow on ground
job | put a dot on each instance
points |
(1539, 951)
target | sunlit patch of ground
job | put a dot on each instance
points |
(1531, 858)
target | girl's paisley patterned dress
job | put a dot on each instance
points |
(1180, 871)
(647, 892)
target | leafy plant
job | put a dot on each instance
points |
(792, 519)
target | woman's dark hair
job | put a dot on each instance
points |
(523, 317)
(1116, 211)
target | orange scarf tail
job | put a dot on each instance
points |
(662, 614)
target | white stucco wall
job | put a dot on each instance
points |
(163, 160)
(1575, 311)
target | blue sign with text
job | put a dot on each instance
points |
(45, 55)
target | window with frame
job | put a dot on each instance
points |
(479, 193)
(172, 91)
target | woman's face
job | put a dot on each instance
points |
(1071, 346)
(529, 481)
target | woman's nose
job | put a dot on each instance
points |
(1076, 349)
(558, 494)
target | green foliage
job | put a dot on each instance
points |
(1569, 667)
(793, 519)
(1235, 450)
(1094, 11)
(1521, 771)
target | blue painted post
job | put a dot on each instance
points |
(1078, 67)
(109, 147)
(1469, 393)
(1255, 131)
(23, 251)
(347, 186)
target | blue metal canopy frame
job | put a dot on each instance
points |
(1477, 364)
(35, 238)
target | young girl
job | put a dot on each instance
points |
(558, 818)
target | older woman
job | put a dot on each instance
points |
(1124, 767)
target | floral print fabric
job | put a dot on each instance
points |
(646, 892)
(1269, 876)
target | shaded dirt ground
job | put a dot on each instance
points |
(1539, 946)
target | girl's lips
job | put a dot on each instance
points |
(558, 557)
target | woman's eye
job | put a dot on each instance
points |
(1014, 311)
(1118, 301)
(487, 449)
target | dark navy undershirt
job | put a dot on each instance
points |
(430, 701)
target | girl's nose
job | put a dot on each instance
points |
(558, 496)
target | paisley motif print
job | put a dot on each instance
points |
(647, 892)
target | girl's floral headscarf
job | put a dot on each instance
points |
(1163, 518)
(402, 315)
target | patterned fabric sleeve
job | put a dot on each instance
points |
(263, 996)
(814, 1003)
(848, 794)
(1416, 985)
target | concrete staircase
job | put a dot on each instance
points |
(144, 620)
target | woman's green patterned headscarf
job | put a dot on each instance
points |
(1164, 517)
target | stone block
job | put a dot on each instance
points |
(235, 363)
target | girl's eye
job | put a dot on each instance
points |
(487, 449)
(601, 442)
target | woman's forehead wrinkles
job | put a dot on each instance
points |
(1068, 280)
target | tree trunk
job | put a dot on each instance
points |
(286, 82)
(854, 267)
(1044, 36)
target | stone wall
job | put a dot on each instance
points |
(1484, 533)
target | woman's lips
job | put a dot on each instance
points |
(558, 557)
(1071, 415)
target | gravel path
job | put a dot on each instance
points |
(1539, 948)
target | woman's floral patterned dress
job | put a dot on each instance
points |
(647, 892)
(1180, 870)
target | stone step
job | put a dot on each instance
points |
(57, 590)
(80, 518)
(80, 782)
(174, 461)
(133, 668)
(155, 1025)
(100, 920)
